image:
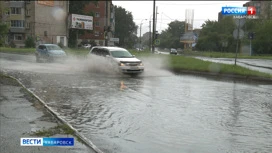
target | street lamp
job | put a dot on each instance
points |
(141, 33)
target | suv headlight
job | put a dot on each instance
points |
(121, 64)
(141, 64)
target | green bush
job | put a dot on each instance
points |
(61, 44)
(12, 44)
(29, 42)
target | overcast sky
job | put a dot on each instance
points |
(174, 10)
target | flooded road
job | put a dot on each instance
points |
(155, 112)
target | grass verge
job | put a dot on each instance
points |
(225, 55)
(191, 64)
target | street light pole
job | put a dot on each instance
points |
(150, 38)
(153, 34)
(141, 33)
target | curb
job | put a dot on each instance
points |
(55, 114)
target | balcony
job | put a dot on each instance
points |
(16, 4)
(17, 29)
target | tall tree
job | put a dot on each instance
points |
(124, 27)
(214, 34)
(4, 27)
(170, 38)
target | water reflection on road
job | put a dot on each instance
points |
(159, 113)
(163, 114)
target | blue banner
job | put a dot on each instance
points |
(58, 141)
(234, 10)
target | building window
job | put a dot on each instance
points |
(27, 25)
(18, 37)
(27, 12)
(96, 33)
(17, 23)
(16, 10)
(97, 14)
(97, 23)
(97, 5)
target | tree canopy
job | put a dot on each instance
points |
(214, 33)
(125, 27)
(170, 38)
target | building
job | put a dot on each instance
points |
(104, 23)
(263, 8)
(45, 21)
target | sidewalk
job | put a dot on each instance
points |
(20, 116)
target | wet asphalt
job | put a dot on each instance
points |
(157, 111)
(21, 116)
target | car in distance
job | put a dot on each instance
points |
(87, 46)
(126, 62)
(173, 51)
(49, 52)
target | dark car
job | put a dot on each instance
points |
(49, 52)
(173, 51)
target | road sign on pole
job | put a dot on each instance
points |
(241, 33)
(157, 42)
(242, 22)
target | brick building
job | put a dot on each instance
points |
(103, 20)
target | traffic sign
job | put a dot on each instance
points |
(157, 41)
(241, 33)
(114, 39)
(242, 22)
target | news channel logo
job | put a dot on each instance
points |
(47, 142)
(239, 10)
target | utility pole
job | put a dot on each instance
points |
(153, 34)
(150, 34)
(238, 38)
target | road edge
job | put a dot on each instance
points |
(55, 114)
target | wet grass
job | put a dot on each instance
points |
(189, 63)
(192, 64)
(225, 55)
(59, 129)
(17, 50)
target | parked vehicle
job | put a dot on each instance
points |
(173, 51)
(126, 62)
(87, 46)
(49, 52)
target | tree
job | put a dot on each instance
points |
(124, 27)
(214, 34)
(3, 33)
(4, 28)
(29, 42)
(262, 42)
(170, 38)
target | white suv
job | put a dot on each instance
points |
(127, 63)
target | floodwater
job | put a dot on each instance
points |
(154, 112)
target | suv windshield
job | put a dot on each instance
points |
(53, 47)
(121, 54)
